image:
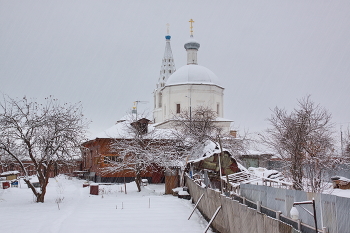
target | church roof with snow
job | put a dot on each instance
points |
(193, 74)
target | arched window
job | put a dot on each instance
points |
(178, 108)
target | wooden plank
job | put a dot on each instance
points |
(212, 219)
(200, 198)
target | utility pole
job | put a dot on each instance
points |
(341, 141)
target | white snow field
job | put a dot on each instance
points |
(110, 211)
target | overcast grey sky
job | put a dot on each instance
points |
(108, 54)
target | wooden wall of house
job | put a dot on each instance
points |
(93, 154)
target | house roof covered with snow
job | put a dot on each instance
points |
(122, 129)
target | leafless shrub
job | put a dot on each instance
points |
(304, 140)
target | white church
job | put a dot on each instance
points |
(187, 88)
(184, 89)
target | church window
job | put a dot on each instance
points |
(170, 71)
(178, 108)
(217, 109)
(164, 71)
(169, 61)
(160, 100)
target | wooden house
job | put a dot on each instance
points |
(97, 154)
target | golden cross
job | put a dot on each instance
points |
(167, 28)
(191, 27)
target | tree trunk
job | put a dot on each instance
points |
(138, 181)
(40, 197)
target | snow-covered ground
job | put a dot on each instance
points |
(338, 192)
(111, 211)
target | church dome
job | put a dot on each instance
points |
(193, 74)
(192, 44)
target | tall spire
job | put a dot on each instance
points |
(167, 69)
(168, 64)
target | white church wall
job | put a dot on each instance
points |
(193, 95)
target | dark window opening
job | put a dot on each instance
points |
(112, 159)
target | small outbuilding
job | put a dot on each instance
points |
(10, 175)
(340, 182)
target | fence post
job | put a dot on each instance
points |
(243, 200)
(299, 224)
(278, 215)
(258, 206)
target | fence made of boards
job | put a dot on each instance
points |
(233, 216)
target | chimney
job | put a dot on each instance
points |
(233, 133)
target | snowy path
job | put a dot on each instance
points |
(114, 211)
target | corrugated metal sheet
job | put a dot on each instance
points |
(271, 202)
(280, 201)
(329, 213)
(343, 214)
(332, 212)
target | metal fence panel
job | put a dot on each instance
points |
(280, 201)
(290, 197)
(318, 197)
(303, 215)
(263, 195)
(271, 202)
(246, 191)
(343, 214)
(307, 218)
(254, 193)
(329, 213)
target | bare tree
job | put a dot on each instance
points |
(304, 140)
(142, 149)
(195, 128)
(43, 134)
(345, 143)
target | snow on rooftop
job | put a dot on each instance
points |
(193, 74)
(9, 173)
(223, 119)
(122, 130)
(208, 149)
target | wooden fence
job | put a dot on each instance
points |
(233, 216)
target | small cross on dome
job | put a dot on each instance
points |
(191, 26)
